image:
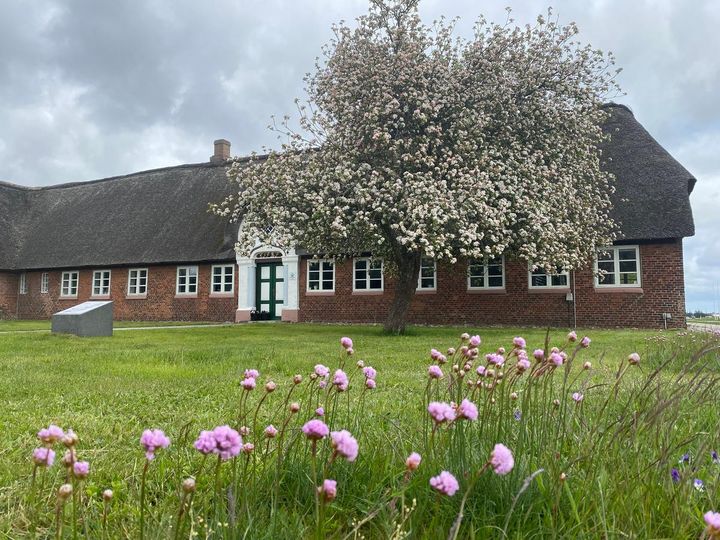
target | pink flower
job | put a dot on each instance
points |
(346, 342)
(328, 490)
(712, 520)
(451, 351)
(315, 430)
(370, 384)
(435, 354)
(572, 337)
(435, 372)
(413, 461)
(539, 354)
(81, 469)
(344, 444)
(578, 397)
(496, 359)
(445, 483)
(152, 440)
(481, 370)
(270, 386)
(441, 412)
(228, 442)
(322, 384)
(244, 431)
(322, 371)
(519, 342)
(585, 342)
(43, 457)
(320, 411)
(252, 373)
(467, 410)
(474, 341)
(556, 358)
(247, 448)
(501, 459)
(634, 358)
(369, 372)
(271, 431)
(340, 379)
(248, 383)
(205, 443)
(50, 434)
(523, 364)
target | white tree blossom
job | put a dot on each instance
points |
(415, 143)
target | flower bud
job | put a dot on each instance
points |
(297, 379)
(563, 476)
(65, 492)
(188, 485)
(513, 396)
(270, 387)
(587, 365)
(360, 364)
(451, 351)
(248, 448)
(634, 359)
(350, 352)
(294, 407)
(556, 403)
(68, 458)
(70, 439)
(244, 431)
(107, 495)
(313, 376)
(464, 336)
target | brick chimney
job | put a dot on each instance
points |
(222, 151)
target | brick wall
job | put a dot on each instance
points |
(160, 304)
(662, 291)
(8, 295)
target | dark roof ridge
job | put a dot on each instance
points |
(612, 104)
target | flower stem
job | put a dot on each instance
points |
(142, 499)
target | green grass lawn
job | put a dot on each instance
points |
(183, 380)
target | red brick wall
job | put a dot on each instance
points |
(8, 295)
(160, 304)
(662, 291)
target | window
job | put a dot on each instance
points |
(487, 273)
(101, 283)
(137, 281)
(223, 279)
(427, 280)
(187, 277)
(321, 275)
(368, 274)
(540, 279)
(44, 283)
(620, 267)
(23, 283)
(69, 284)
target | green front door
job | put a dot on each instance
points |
(270, 288)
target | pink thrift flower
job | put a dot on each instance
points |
(474, 341)
(244, 431)
(328, 490)
(451, 351)
(228, 442)
(340, 379)
(50, 434)
(322, 371)
(315, 430)
(634, 358)
(369, 372)
(252, 373)
(496, 359)
(519, 342)
(43, 457)
(539, 354)
(435, 372)
(344, 444)
(205, 443)
(271, 432)
(712, 520)
(346, 342)
(441, 412)
(152, 440)
(413, 461)
(585, 342)
(501, 459)
(248, 383)
(467, 410)
(481, 370)
(248, 448)
(523, 364)
(556, 358)
(370, 384)
(320, 411)
(81, 469)
(578, 397)
(435, 354)
(322, 384)
(572, 337)
(445, 483)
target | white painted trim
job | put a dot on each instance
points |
(223, 275)
(367, 275)
(92, 290)
(137, 294)
(307, 275)
(549, 276)
(187, 291)
(616, 266)
(77, 283)
(486, 276)
(419, 287)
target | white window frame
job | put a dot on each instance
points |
(101, 273)
(486, 276)
(187, 285)
(22, 284)
(321, 263)
(367, 288)
(549, 280)
(44, 283)
(137, 292)
(434, 276)
(616, 260)
(70, 276)
(223, 275)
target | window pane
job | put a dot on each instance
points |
(539, 280)
(328, 285)
(375, 273)
(477, 282)
(327, 274)
(427, 283)
(627, 254)
(607, 279)
(375, 283)
(629, 279)
(360, 264)
(494, 270)
(608, 267)
(495, 281)
(360, 283)
(605, 255)
(559, 281)
(628, 266)
(313, 266)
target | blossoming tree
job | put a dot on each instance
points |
(416, 144)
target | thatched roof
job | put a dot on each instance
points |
(160, 216)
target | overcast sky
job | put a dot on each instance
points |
(90, 88)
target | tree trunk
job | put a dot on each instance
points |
(405, 286)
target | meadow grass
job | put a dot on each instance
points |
(616, 448)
